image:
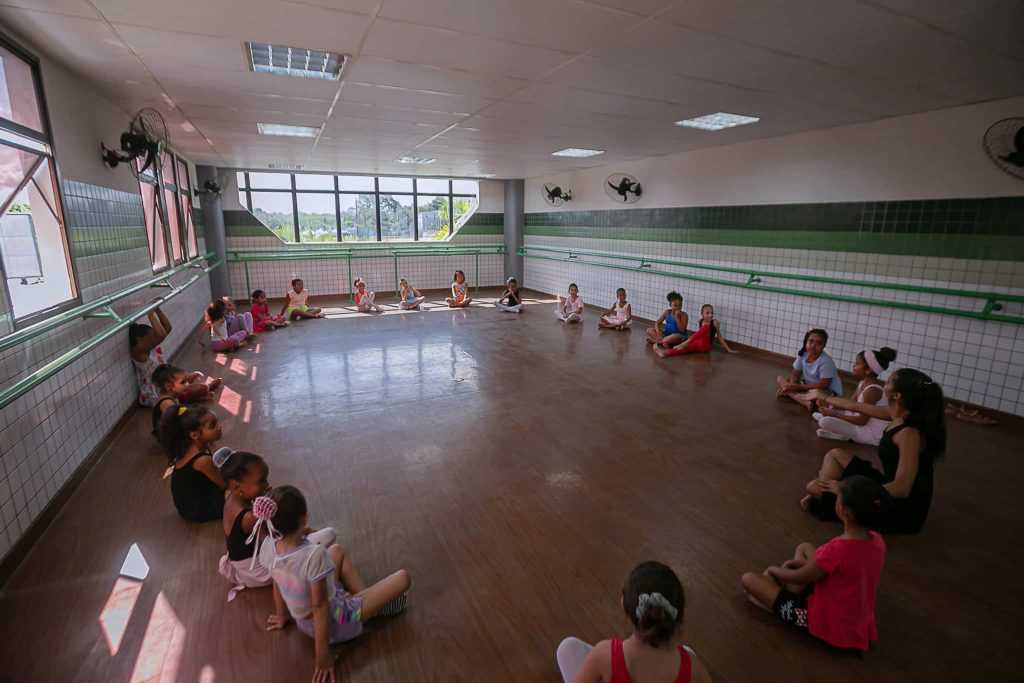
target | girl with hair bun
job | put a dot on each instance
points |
(841, 419)
(654, 602)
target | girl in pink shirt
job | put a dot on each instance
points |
(830, 591)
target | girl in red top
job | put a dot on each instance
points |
(262, 321)
(654, 602)
(708, 331)
(830, 591)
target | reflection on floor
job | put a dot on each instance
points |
(518, 468)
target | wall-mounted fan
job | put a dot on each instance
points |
(142, 144)
(556, 196)
(623, 188)
(1004, 143)
(215, 186)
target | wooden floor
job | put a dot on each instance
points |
(518, 468)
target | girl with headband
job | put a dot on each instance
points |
(654, 602)
(850, 425)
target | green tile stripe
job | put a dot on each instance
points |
(984, 247)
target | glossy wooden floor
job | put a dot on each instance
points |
(518, 469)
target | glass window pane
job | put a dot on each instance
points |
(431, 185)
(356, 183)
(396, 217)
(191, 243)
(433, 216)
(183, 180)
(317, 222)
(34, 249)
(167, 169)
(270, 181)
(358, 217)
(274, 210)
(310, 181)
(240, 179)
(17, 92)
(465, 187)
(14, 166)
(395, 184)
(171, 207)
(154, 226)
(464, 208)
(243, 198)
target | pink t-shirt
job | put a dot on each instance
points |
(841, 610)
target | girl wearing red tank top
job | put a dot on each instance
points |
(653, 600)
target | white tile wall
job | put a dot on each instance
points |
(47, 433)
(977, 361)
(330, 277)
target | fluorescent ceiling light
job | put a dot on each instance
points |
(718, 121)
(487, 175)
(295, 61)
(577, 153)
(289, 131)
(422, 161)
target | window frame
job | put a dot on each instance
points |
(44, 137)
(248, 190)
(183, 196)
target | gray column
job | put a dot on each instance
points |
(514, 218)
(213, 229)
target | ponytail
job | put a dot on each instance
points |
(925, 405)
(176, 426)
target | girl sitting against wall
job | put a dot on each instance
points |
(908, 449)
(570, 309)
(262, 321)
(701, 340)
(814, 374)
(410, 298)
(847, 425)
(670, 328)
(295, 303)
(460, 292)
(144, 348)
(197, 488)
(366, 300)
(220, 339)
(620, 315)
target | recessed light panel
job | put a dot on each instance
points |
(719, 121)
(577, 153)
(287, 131)
(422, 161)
(299, 62)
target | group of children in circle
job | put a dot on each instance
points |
(828, 591)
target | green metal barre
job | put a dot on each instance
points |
(361, 253)
(753, 273)
(11, 393)
(753, 284)
(101, 308)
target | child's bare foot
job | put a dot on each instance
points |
(754, 601)
(805, 502)
(660, 350)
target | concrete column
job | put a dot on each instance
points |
(514, 219)
(213, 228)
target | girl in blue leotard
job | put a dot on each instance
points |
(670, 329)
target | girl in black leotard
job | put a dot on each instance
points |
(909, 447)
(188, 433)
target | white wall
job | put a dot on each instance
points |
(924, 156)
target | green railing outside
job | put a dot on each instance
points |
(356, 254)
(993, 301)
(101, 308)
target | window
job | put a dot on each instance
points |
(396, 216)
(317, 219)
(317, 207)
(170, 230)
(275, 210)
(33, 242)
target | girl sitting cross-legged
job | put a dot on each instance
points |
(847, 425)
(670, 328)
(830, 591)
(510, 301)
(620, 315)
(411, 297)
(570, 309)
(814, 373)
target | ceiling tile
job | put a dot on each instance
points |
(446, 48)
